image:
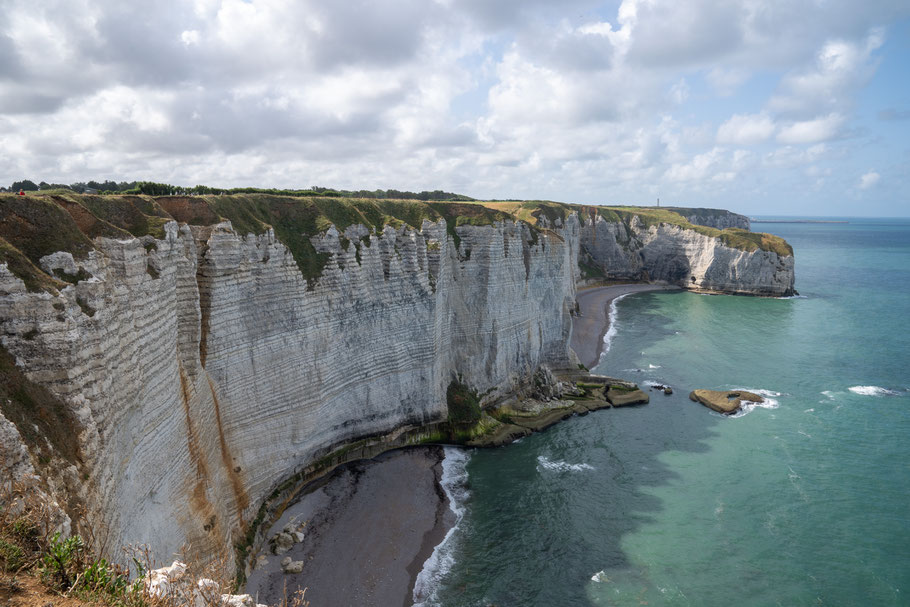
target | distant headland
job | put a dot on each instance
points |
(754, 220)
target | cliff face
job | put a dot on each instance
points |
(689, 258)
(196, 368)
(202, 384)
(713, 218)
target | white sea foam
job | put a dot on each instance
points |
(748, 407)
(545, 462)
(454, 483)
(873, 391)
(654, 366)
(600, 576)
(611, 330)
(830, 394)
(793, 297)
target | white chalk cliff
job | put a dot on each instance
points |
(686, 257)
(200, 370)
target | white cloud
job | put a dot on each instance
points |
(841, 68)
(189, 37)
(725, 81)
(869, 180)
(746, 129)
(576, 100)
(820, 129)
(679, 92)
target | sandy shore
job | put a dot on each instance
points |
(371, 525)
(593, 320)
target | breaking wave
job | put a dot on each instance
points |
(748, 407)
(611, 328)
(454, 483)
(874, 391)
(600, 576)
(544, 462)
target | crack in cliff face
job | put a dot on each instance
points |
(198, 498)
(204, 286)
(233, 472)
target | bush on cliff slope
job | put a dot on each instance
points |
(463, 403)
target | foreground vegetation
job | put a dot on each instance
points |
(40, 567)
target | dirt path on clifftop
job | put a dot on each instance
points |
(593, 319)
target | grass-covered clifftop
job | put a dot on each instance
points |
(36, 225)
(736, 238)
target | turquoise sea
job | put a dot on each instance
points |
(805, 501)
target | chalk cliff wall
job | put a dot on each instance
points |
(201, 385)
(197, 370)
(686, 257)
(713, 218)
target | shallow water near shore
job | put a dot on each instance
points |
(802, 501)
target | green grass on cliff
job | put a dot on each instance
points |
(134, 214)
(22, 267)
(39, 224)
(531, 211)
(45, 423)
(700, 211)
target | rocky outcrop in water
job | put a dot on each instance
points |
(727, 402)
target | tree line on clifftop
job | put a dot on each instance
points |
(151, 188)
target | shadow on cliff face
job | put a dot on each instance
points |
(549, 512)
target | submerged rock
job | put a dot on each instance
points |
(724, 401)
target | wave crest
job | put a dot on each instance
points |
(873, 391)
(559, 466)
(611, 322)
(748, 407)
(454, 483)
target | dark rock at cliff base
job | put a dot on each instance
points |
(503, 435)
(724, 401)
(620, 396)
(668, 390)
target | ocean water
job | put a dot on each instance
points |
(805, 501)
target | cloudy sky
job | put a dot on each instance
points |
(760, 106)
